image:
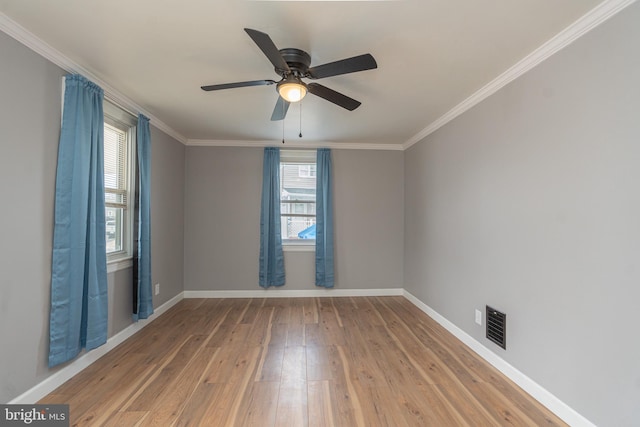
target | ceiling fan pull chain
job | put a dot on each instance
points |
(300, 134)
(283, 123)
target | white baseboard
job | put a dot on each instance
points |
(555, 405)
(292, 293)
(54, 381)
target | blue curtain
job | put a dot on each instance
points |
(324, 220)
(142, 292)
(78, 316)
(271, 256)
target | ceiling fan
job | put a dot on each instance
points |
(293, 65)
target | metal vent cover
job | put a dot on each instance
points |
(497, 327)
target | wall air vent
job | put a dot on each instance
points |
(497, 327)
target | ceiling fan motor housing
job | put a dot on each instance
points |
(298, 61)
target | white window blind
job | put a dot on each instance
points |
(115, 167)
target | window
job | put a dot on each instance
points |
(119, 140)
(298, 196)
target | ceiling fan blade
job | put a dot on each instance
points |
(267, 47)
(238, 84)
(344, 66)
(332, 96)
(280, 110)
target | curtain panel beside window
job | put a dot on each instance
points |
(142, 287)
(271, 267)
(78, 316)
(324, 220)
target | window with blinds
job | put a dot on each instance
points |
(115, 186)
(115, 170)
(298, 195)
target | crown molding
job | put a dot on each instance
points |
(583, 25)
(22, 35)
(294, 144)
(18, 32)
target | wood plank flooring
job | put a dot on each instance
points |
(364, 361)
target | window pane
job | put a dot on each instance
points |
(298, 197)
(119, 141)
(307, 171)
(115, 183)
(115, 157)
(113, 227)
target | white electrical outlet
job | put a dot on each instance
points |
(157, 288)
(478, 317)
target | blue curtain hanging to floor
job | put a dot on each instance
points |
(271, 256)
(78, 316)
(142, 291)
(324, 220)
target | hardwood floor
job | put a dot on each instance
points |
(365, 361)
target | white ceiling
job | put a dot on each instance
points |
(431, 55)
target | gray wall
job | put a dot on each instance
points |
(30, 91)
(222, 221)
(167, 215)
(530, 202)
(30, 101)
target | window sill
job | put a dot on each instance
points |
(119, 264)
(299, 247)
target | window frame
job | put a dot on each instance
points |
(118, 118)
(298, 156)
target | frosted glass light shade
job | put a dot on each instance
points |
(292, 91)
